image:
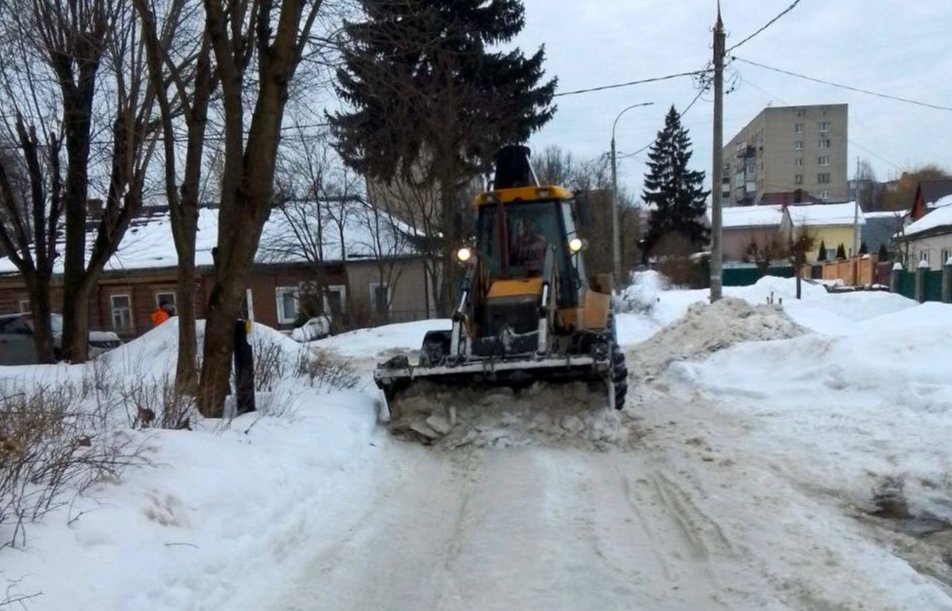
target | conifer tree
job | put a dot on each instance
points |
(883, 252)
(431, 100)
(841, 251)
(676, 192)
(863, 249)
(821, 256)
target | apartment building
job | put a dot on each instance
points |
(789, 150)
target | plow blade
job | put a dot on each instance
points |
(434, 402)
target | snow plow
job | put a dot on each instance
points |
(527, 312)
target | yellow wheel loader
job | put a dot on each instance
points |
(527, 311)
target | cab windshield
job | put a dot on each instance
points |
(516, 248)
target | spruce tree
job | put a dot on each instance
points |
(821, 256)
(863, 249)
(883, 252)
(431, 101)
(841, 251)
(676, 192)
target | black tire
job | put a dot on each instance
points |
(619, 376)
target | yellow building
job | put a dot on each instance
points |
(828, 224)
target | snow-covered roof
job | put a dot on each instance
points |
(148, 243)
(942, 202)
(940, 217)
(816, 215)
(735, 217)
(886, 214)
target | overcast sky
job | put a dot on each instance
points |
(900, 47)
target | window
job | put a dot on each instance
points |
(824, 194)
(798, 179)
(24, 306)
(945, 256)
(831, 254)
(121, 312)
(824, 127)
(924, 256)
(823, 161)
(799, 162)
(823, 179)
(798, 145)
(166, 297)
(798, 128)
(334, 299)
(824, 144)
(380, 298)
(288, 305)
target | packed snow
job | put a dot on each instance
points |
(774, 453)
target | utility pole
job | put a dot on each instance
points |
(856, 194)
(718, 161)
(616, 231)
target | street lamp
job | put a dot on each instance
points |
(616, 233)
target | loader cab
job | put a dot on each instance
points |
(515, 228)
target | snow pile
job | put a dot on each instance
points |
(384, 340)
(706, 329)
(157, 350)
(858, 409)
(573, 414)
(642, 294)
(314, 329)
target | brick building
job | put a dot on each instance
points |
(371, 273)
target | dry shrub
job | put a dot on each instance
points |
(158, 405)
(271, 364)
(322, 369)
(52, 450)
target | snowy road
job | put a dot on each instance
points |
(531, 528)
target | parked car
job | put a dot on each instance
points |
(16, 339)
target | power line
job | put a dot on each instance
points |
(847, 87)
(766, 25)
(684, 112)
(632, 83)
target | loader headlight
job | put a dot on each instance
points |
(464, 254)
(576, 244)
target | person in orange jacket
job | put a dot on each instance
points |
(161, 314)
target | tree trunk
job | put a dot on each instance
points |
(41, 307)
(186, 369)
(450, 243)
(75, 306)
(232, 274)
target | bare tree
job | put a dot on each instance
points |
(29, 220)
(275, 34)
(801, 245)
(89, 75)
(191, 74)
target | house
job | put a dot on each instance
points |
(929, 238)
(828, 224)
(750, 228)
(363, 269)
(928, 194)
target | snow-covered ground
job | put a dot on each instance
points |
(766, 436)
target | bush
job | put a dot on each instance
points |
(51, 450)
(323, 370)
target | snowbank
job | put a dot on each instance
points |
(706, 329)
(384, 339)
(859, 409)
(229, 503)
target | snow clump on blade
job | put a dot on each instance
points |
(559, 414)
